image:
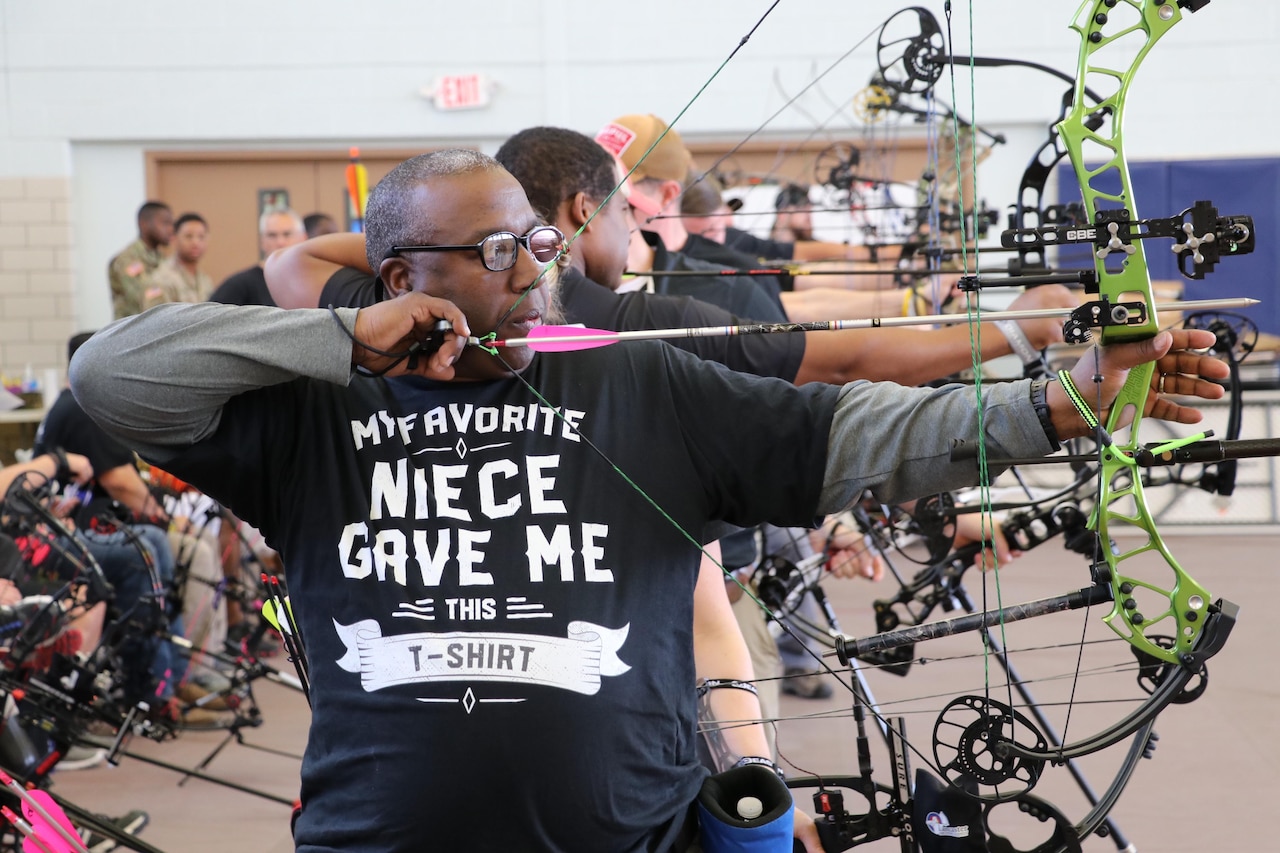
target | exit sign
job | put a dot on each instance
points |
(460, 92)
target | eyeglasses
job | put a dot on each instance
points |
(499, 251)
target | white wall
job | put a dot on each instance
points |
(87, 86)
(108, 185)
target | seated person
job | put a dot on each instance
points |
(126, 529)
(76, 623)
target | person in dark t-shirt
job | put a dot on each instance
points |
(277, 229)
(482, 596)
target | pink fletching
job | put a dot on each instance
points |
(48, 835)
(567, 338)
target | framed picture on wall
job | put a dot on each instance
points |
(268, 200)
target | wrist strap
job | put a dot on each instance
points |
(765, 762)
(709, 684)
(1077, 400)
(63, 473)
(1018, 340)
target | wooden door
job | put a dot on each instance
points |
(227, 187)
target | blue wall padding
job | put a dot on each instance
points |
(1249, 187)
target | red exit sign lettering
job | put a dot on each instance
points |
(460, 92)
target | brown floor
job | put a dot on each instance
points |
(1210, 785)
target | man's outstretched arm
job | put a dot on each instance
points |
(915, 356)
(888, 438)
(158, 381)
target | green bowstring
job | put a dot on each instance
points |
(583, 227)
(973, 309)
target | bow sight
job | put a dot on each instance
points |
(1201, 237)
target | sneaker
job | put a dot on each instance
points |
(805, 684)
(196, 696)
(81, 758)
(211, 679)
(130, 823)
(100, 732)
(174, 714)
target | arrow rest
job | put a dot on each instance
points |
(1101, 314)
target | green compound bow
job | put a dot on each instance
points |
(1157, 607)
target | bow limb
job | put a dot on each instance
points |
(1141, 607)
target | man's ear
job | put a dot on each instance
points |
(578, 210)
(394, 272)
(671, 191)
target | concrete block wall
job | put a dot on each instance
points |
(37, 311)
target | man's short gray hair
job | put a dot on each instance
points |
(393, 219)
(280, 211)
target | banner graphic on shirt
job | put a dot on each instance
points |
(575, 662)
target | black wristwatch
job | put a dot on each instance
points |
(63, 474)
(1040, 402)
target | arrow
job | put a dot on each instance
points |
(44, 814)
(573, 338)
(781, 270)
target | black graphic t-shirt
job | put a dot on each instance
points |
(706, 249)
(741, 295)
(498, 624)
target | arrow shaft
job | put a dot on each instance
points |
(781, 270)
(838, 325)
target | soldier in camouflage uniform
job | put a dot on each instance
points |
(179, 279)
(130, 271)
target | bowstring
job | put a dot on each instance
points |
(661, 136)
(569, 241)
(973, 309)
(858, 698)
(738, 146)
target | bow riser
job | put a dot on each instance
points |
(1178, 609)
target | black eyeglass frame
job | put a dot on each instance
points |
(479, 247)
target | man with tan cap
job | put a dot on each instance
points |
(660, 167)
(659, 164)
